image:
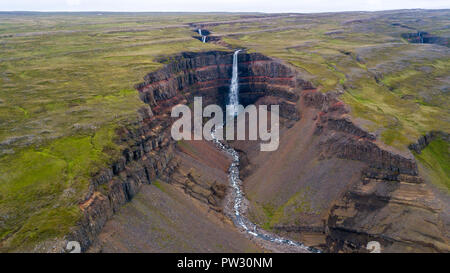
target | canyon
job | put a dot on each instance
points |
(363, 156)
(422, 37)
(339, 186)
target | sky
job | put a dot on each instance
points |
(219, 5)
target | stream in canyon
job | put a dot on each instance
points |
(238, 198)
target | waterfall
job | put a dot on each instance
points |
(237, 194)
(201, 34)
(234, 87)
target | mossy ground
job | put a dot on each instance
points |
(269, 215)
(436, 158)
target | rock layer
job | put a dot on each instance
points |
(389, 203)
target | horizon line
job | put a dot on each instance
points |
(265, 12)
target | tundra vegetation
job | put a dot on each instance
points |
(66, 85)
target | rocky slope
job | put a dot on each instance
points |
(389, 203)
(181, 216)
(333, 184)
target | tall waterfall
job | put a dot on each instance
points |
(234, 87)
(201, 34)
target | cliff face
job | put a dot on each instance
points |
(359, 186)
(208, 75)
(149, 154)
(389, 203)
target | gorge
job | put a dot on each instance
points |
(339, 186)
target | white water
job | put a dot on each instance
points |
(203, 36)
(234, 87)
(239, 218)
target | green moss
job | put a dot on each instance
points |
(157, 184)
(42, 186)
(49, 223)
(436, 158)
(186, 146)
(162, 186)
(274, 215)
(269, 212)
(400, 121)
